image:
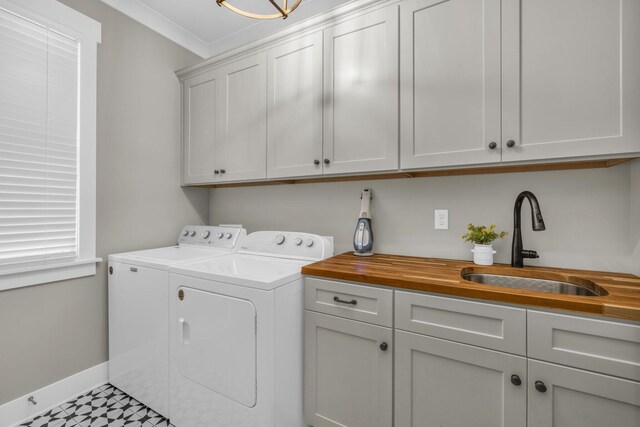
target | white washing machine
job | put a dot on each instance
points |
(139, 310)
(236, 333)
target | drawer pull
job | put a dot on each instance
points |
(352, 302)
(515, 380)
(133, 269)
(540, 386)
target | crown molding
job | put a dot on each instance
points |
(161, 24)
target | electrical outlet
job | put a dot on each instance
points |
(441, 219)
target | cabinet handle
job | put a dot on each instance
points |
(384, 346)
(222, 171)
(540, 386)
(110, 270)
(133, 269)
(352, 302)
(492, 145)
(216, 172)
(316, 162)
(327, 161)
(511, 143)
(515, 380)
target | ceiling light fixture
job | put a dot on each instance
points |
(283, 11)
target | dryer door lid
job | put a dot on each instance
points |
(217, 343)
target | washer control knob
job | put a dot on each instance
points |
(298, 241)
(308, 242)
(185, 233)
(192, 233)
(219, 235)
(228, 235)
(279, 239)
(206, 234)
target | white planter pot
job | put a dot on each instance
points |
(483, 254)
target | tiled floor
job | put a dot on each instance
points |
(103, 406)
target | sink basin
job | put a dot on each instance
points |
(577, 286)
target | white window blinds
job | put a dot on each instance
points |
(38, 144)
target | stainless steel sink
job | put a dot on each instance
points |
(587, 289)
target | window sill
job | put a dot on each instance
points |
(30, 276)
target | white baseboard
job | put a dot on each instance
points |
(20, 410)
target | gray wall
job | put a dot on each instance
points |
(51, 331)
(587, 212)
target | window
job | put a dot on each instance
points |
(47, 142)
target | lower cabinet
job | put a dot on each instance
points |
(348, 373)
(566, 397)
(442, 383)
(574, 372)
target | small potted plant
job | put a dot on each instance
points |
(483, 238)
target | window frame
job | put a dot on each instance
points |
(87, 32)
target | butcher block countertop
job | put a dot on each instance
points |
(444, 277)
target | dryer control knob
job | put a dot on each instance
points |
(228, 235)
(219, 235)
(279, 239)
(298, 241)
(309, 243)
(185, 233)
(192, 233)
(206, 234)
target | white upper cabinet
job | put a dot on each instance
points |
(570, 78)
(294, 139)
(450, 70)
(361, 94)
(200, 121)
(241, 148)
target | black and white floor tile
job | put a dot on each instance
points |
(103, 406)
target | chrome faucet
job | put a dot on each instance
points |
(517, 253)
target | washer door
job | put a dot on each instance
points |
(217, 343)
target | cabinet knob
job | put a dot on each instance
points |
(540, 386)
(216, 172)
(316, 162)
(493, 145)
(222, 171)
(511, 143)
(384, 346)
(327, 161)
(515, 380)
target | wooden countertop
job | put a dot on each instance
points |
(444, 277)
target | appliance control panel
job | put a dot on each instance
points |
(287, 244)
(227, 237)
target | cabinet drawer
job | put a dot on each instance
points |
(596, 345)
(363, 303)
(484, 325)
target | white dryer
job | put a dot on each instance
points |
(236, 327)
(139, 310)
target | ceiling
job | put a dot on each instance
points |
(207, 29)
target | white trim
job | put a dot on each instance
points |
(300, 29)
(19, 410)
(87, 32)
(161, 24)
(30, 276)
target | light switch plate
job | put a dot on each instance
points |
(441, 219)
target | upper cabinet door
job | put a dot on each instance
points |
(241, 153)
(450, 70)
(200, 109)
(361, 94)
(294, 128)
(570, 78)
